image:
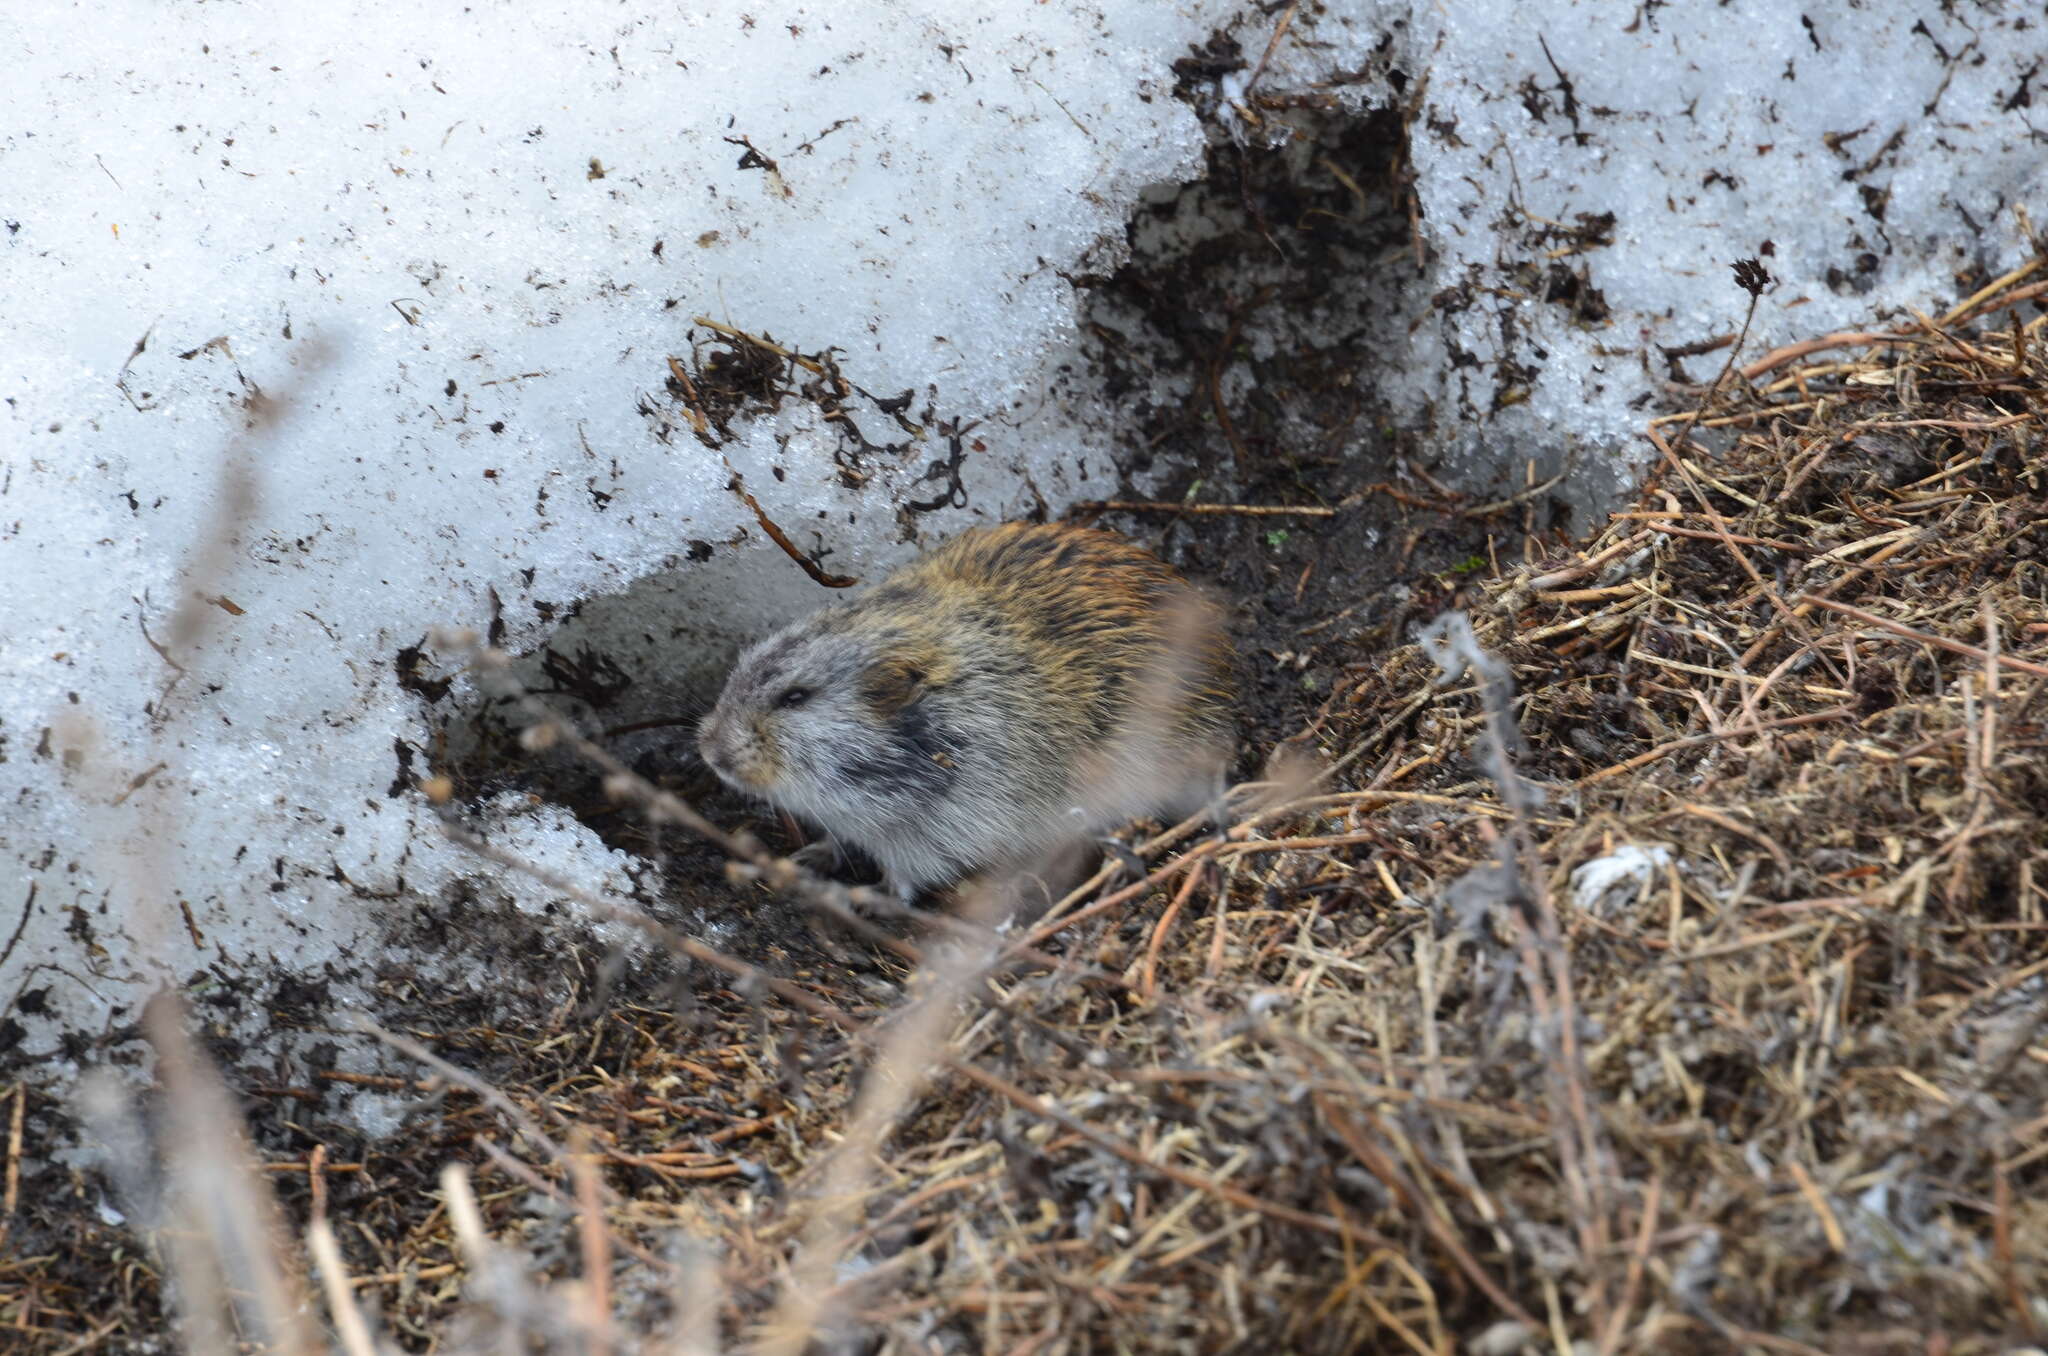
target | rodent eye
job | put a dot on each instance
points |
(794, 696)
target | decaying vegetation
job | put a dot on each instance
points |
(1655, 961)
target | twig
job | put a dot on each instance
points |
(766, 345)
(1520, 497)
(898, 1076)
(1239, 510)
(1638, 1259)
(1216, 370)
(789, 548)
(1989, 290)
(1713, 816)
(697, 420)
(1939, 642)
(14, 1129)
(1778, 357)
(1272, 45)
(341, 1301)
(1693, 741)
(1774, 543)
(1223, 1191)
(90, 1340)
(597, 1264)
(1164, 927)
(1385, 1169)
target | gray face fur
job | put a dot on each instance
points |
(798, 725)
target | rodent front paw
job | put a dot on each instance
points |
(822, 858)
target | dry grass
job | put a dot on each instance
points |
(1381, 1067)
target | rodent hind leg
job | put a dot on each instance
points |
(834, 860)
(1023, 893)
(1202, 790)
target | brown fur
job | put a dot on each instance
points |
(1102, 614)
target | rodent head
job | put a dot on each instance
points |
(813, 719)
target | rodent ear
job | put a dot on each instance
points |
(894, 683)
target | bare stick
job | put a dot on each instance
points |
(349, 1325)
(1234, 510)
(1939, 642)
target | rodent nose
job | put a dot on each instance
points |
(711, 744)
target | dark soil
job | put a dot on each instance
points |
(1268, 294)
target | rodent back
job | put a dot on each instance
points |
(1080, 671)
(981, 691)
(1108, 627)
